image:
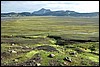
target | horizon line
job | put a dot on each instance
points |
(46, 9)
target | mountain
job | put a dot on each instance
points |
(15, 14)
(41, 12)
(7, 14)
(25, 14)
(48, 12)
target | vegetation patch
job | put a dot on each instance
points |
(90, 56)
(46, 48)
(28, 41)
(31, 53)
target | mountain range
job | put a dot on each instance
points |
(48, 12)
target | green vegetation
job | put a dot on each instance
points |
(25, 39)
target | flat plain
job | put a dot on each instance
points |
(28, 41)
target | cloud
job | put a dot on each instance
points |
(30, 6)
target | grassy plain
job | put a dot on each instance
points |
(28, 33)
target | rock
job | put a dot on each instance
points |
(21, 47)
(26, 46)
(13, 51)
(34, 61)
(51, 55)
(30, 64)
(73, 53)
(13, 44)
(65, 63)
(15, 60)
(11, 35)
(18, 57)
(68, 59)
(1, 57)
(38, 64)
(9, 50)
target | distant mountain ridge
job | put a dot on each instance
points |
(48, 12)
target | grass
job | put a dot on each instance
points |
(31, 53)
(48, 25)
(90, 56)
(33, 32)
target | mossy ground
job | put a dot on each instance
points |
(29, 32)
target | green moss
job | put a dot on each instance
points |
(35, 31)
(31, 53)
(90, 56)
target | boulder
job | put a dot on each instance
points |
(21, 47)
(33, 60)
(1, 57)
(51, 55)
(38, 64)
(12, 44)
(9, 51)
(15, 60)
(13, 51)
(11, 35)
(67, 59)
(73, 53)
(26, 46)
(65, 63)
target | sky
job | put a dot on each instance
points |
(31, 6)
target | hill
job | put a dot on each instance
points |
(48, 12)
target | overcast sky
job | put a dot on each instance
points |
(30, 6)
